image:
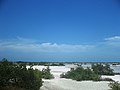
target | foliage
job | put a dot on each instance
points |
(102, 69)
(81, 74)
(57, 64)
(17, 75)
(46, 74)
(115, 86)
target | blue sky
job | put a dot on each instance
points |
(60, 30)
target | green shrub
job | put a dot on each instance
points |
(17, 75)
(46, 74)
(81, 74)
(115, 86)
(102, 69)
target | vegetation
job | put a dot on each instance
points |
(15, 76)
(19, 77)
(102, 69)
(42, 63)
(115, 86)
(57, 64)
(81, 74)
(89, 74)
(46, 73)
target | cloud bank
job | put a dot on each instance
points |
(28, 45)
(29, 48)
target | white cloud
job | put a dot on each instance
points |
(115, 38)
(113, 41)
(28, 45)
(29, 48)
(25, 40)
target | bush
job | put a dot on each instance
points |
(57, 64)
(115, 86)
(17, 75)
(46, 74)
(81, 74)
(102, 69)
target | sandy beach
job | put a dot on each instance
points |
(67, 84)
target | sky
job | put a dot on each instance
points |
(60, 30)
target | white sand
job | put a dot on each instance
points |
(68, 84)
(115, 78)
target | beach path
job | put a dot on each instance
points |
(67, 84)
